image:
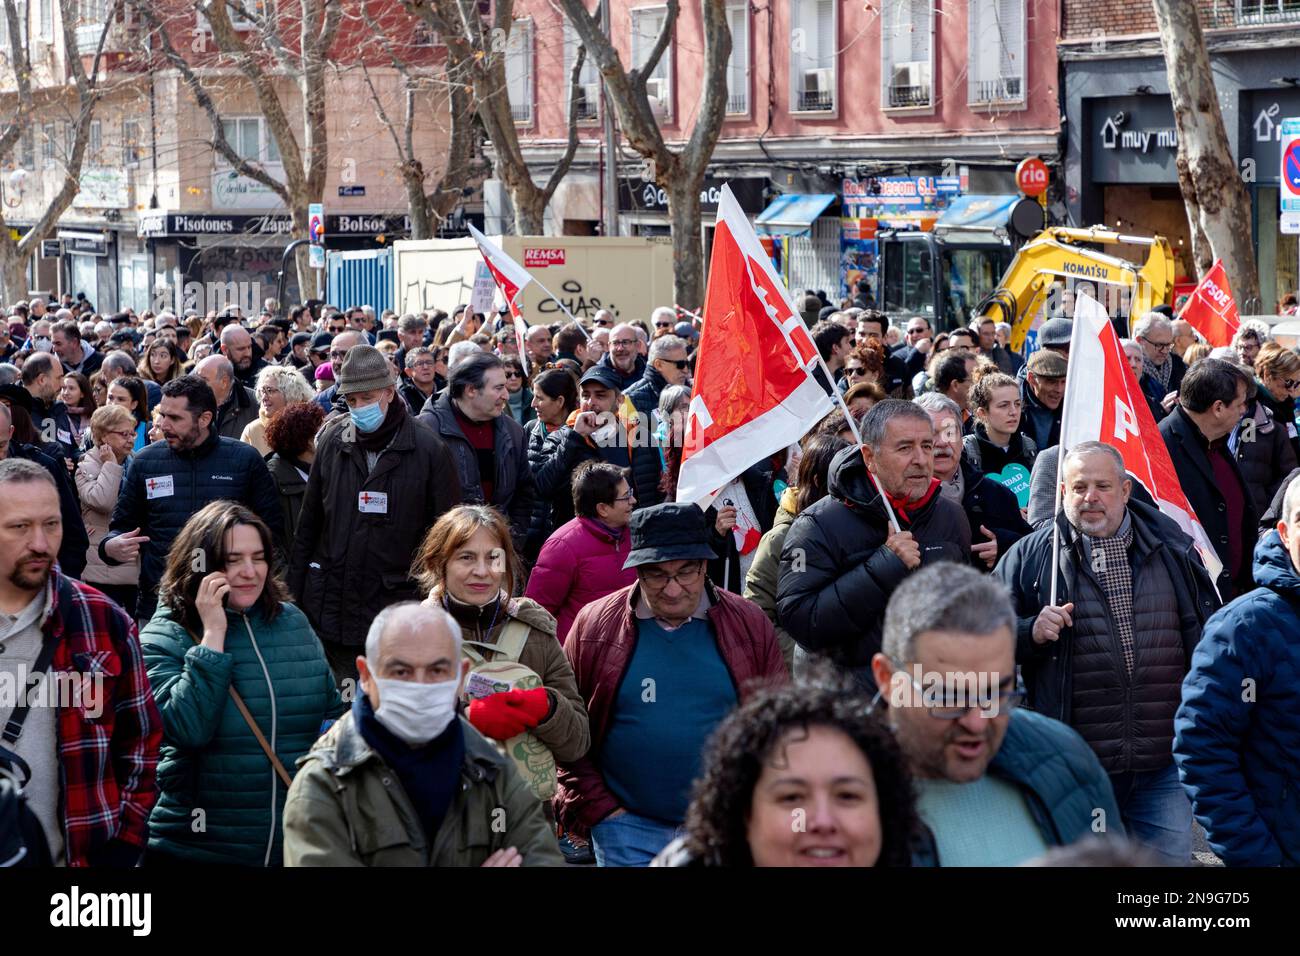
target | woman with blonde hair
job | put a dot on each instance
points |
(99, 479)
(468, 565)
(277, 386)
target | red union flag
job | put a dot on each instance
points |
(1211, 309)
(510, 278)
(754, 392)
(1103, 402)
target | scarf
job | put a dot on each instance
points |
(430, 774)
(1160, 373)
(1109, 559)
(908, 508)
(379, 439)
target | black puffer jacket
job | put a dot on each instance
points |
(1080, 678)
(240, 409)
(837, 575)
(989, 458)
(513, 489)
(1268, 456)
(564, 450)
(551, 509)
(348, 565)
(626, 379)
(182, 483)
(995, 507)
(644, 395)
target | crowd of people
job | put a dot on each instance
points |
(333, 587)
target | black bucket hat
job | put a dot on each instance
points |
(668, 532)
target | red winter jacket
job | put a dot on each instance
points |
(580, 563)
(600, 647)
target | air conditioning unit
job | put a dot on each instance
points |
(656, 90)
(821, 80)
(909, 84)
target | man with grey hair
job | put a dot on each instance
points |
(996, 785)
(401, 779)
(1109, 657)
(460, 351)
(843, 558)
(236, 405)
(538, 346)
(662, 320)
(1236, 750)
(10, 374)
(667, 365)
(1162, 367)
(339, 346)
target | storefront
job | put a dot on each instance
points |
(643, 206)
(209, 261)
(1259, 134)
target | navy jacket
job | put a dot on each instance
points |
(1238, 753)
(628, 378)
(1062, 781)
(219, 468)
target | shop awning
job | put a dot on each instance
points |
(793, 214)
(977, 212)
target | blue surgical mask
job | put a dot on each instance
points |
(368, 417)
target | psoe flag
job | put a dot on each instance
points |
(1103, 402)
(1211, 309)
(510, 278)
(754, 392)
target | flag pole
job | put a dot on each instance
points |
(571, 316)
(857, 438)
(1070, 371)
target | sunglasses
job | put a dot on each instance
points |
(1290, 383)
(510, 374)
(680, 364)
(855, 370)
(663, 325)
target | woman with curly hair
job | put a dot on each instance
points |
(291, 436)
(800, 775)
(277, 386)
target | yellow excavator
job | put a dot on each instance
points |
(1058, 257)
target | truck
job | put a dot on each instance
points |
(628, 276)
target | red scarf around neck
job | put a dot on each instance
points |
(908, 508)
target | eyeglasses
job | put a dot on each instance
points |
(686, 577)
(663, 325)
(625, 343)
(603, 324)
(855, 370)
(1160, 346)
(1290, 383)
(123, 434)
(1007, 700)
(680, 364)
(627, 497)
(338, 353)
(427, 364)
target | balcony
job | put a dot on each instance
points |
(737, 104)
(1003, 89)
(1268, 11)
(904, 97)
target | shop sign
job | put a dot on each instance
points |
(233, 191)
(638, 195)
(901, 191)
(1131, 139)
(102, 187)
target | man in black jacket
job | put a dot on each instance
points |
(624, 356)
(1211, 400)
(170, 480)
(72, 549)
(1162, 368)
(236, 405)
(667, 365)
(378, 483)
(489, 448)
(1110, 656)
(43, 378)
(842, 559)
(992, 510)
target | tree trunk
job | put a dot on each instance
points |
(688, 250)
(530, 211)
(13, 271)
(413, 180)
(1218, 206)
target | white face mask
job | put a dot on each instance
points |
(413, 712)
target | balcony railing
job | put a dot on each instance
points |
(521, 112)
(738, 103)
(993, 91)
(1268, 11)
(904, 96)
(812, 101)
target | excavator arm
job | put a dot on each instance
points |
(1056, 255)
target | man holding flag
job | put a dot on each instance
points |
(1111, 597)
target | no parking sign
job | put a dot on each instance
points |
(1289, 191)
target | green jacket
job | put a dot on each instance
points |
(220, 800)
(760, 582)
(346, 808)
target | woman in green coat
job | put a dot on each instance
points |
(223, 624)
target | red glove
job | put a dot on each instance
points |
(509, 713)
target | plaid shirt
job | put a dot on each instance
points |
(107, 762)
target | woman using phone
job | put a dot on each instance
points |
(243, 687)
(99, 479)
(76, 394)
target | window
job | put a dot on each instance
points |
(812, 56)
(1268, 11)
(47, 145)
(92, 12)
(27, 150)
(249, 137)
(256, 10)
(588, 79)
(997, 51)
(519, 71)
(130, 143)
(21, 7)
(46, 12)
(906, 53)
(647, 23)
(96, 142)
(738, 64)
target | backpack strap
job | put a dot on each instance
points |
(13, 727)
(509, 646)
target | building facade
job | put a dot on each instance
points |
(1121, 145)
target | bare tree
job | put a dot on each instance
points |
(14, 253)
(428, 206)
(476, 56)
(262, 58)
(1218, 207)
(680, 173)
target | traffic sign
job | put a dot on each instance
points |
(316, 256)
(316, 222)
(1032, 176)
(1289, 193)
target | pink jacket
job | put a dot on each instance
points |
(579, 563)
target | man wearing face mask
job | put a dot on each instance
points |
(378, 482)
(401, 780)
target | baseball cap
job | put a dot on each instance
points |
(602, 375)
(320, 342)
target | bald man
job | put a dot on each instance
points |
(236, 405)
(237, 346)
(624, 355)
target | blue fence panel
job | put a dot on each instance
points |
(360, 278)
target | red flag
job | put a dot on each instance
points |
(754, 393)
(1211, 309)
(510, 278)
(1103, 402)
